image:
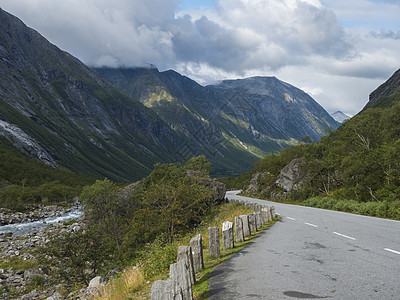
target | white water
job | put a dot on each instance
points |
(26, 227)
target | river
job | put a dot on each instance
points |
(26, 227)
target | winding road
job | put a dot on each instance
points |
(313, 254)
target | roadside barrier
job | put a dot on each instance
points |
(190, 258)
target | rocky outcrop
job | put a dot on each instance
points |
(254, 187)
(386, 94)
(293, 175)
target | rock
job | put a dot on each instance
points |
(213, 242)
(246, 225)
(185, 253)
(29, 274)
(254, 187)
(7, 234)
(55, 296)
(227, 235)
(34, 294)
(218, 188)
(96, 282)
(293, 175)
(197, 253)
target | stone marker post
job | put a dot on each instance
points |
(273, 215)
(213, 242)
(239, 229)
(265, 214)
(246, 225)
(185, 253)
(227, 235)
(252, 222)
(180, 276)
(197, 253)
(163, 290)
(259, 222)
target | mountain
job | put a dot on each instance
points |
(387, 94)
(56, 109)
(340, 116)
(234, 122)
(359, 161)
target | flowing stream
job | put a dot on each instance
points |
(26, 227)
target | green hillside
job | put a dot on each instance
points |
(357, 163)
(26, 180)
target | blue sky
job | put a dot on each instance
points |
(338, 51)
(195, 4)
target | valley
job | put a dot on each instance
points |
(109, 169)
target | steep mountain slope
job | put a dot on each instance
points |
(340, 116)
(277, 108)
(387, 94)
(359, 161)
(55, 108)
(234, 122)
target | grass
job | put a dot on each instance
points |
(378, 209)
(18, 263)
(153, 262)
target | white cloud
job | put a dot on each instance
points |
(328, 46)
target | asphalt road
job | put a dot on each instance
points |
(314, 254)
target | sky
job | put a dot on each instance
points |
(338, 51)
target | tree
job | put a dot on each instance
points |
(105, 210)
(199, 164)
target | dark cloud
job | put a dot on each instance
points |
(386, 34)
(240, 35)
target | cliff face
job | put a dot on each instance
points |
(386, 94)
(55, 108)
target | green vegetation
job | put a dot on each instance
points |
(356, 168)
(25, 181)
(158, 210)
(153, 261)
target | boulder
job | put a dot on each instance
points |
(293, 175)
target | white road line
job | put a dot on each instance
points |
(291, 218)
(393, 251)
(310, 224)
(346, 236)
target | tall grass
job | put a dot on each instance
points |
(153, 261)
(383, 209)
